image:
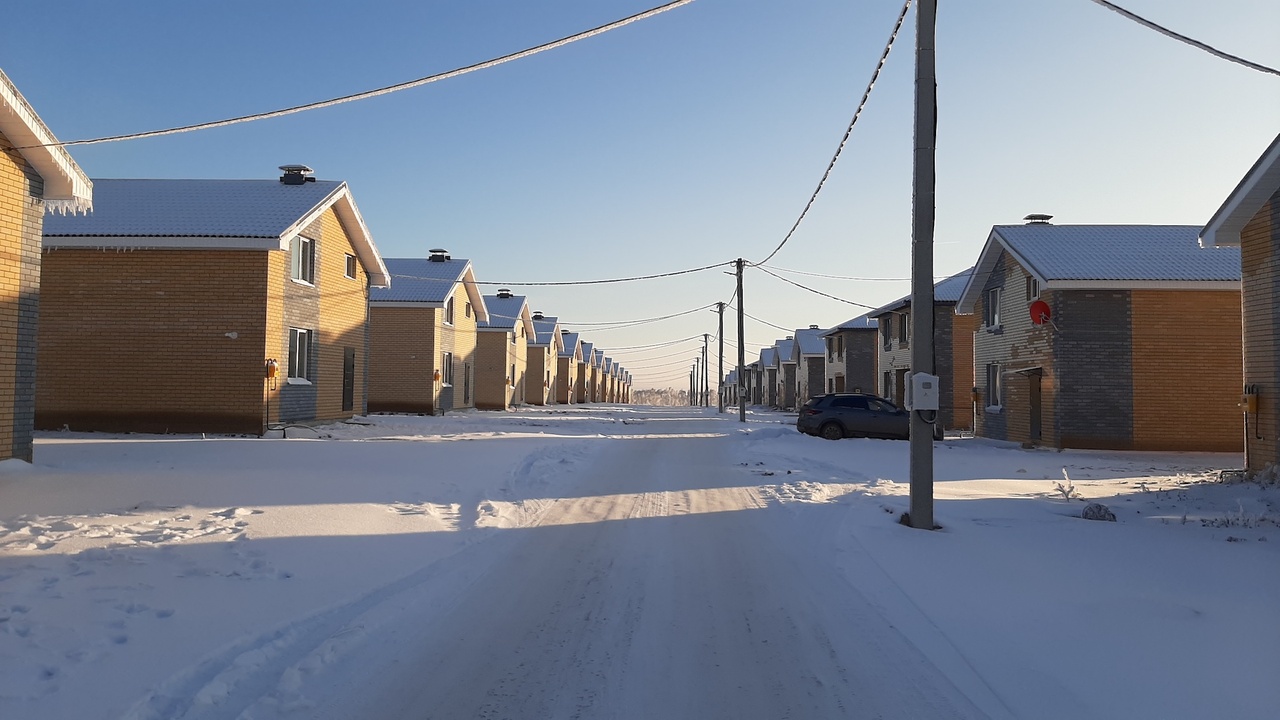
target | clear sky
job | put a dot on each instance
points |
(688, 139)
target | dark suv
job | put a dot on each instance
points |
(840, 415)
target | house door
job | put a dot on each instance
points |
(899, 386)
(348, 378)
(1036, 408)
(839, 384)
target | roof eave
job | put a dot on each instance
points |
(1255, 188)
(66, 187)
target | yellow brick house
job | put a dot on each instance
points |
(543, 361)
(36, 177)
(206, 306)
(502, 351)
(422, 336)
(569, 375)
(1250, 219)
(1119, 337)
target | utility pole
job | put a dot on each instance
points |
(742, 349)
(720, 377)
(923, 188)
(705, 399)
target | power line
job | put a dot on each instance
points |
(597, 282)
(618, 325)
(766, 322)
(816, 292)
(384, 90)
(848, 131)
(657, 345)
(842, 277)
(1183, 38)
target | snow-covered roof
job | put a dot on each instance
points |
(1258, 185)
(506, 312)
(607, 365)
(768, 357)
(588, 352)
(66, 187)
(546, 333)
(786, 350)
(597, 358)
(571, 345)
(235, 214)
(945, 291)
(419, 280)
(809, 341)
(862, 322)
(1106, 256)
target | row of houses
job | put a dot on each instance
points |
(438, 344)
(1143, 337)
(233, 305)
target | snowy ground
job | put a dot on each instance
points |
(610, 562)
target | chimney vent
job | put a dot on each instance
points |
(438, 255)
(504, 293)
(813, 327)
(1038, 219)
(791, 337)
(296, 175)
(537, 315)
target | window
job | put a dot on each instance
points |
(993, 386)
(448, 312)
(302, 259)
(468, 310)
(513, 337)
(886, 388)
(831, 385)
(512, 379)
(351, 266)
(446, 369)
(1033, 288)
(991, 308)
(831, 349)
(886, 331)
(854, 402)
(840, 346)
(904, 329)
(299, 354)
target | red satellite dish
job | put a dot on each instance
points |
(1040, 313)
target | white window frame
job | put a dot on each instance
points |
(991, 308)
(1033, 288)
(446, 369)
(350, 269)
(302, 260)
(301, 345)
(448, 311)
(995, 388)
(513, 376)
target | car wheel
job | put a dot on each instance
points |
(831, 431)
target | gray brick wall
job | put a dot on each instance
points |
(1094, 363)
(24, 408)
(298, 402)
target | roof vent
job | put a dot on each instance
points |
(813, 327)
(438, 255)
(791, 337)
(1038, 219)
(296, 175)
(537, 315)
(504, 293)
(564, 331)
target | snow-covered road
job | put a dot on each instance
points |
(621, 562)
(662, 587)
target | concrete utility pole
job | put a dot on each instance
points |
(923, 188)
(720, 380)
(706, 400)
(742, 349)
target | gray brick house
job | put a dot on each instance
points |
(851, 355)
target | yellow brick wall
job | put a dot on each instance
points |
(459, 339)
(402, 362)
(21, 213)
(137, 340)
(1260, 261)
(1187, 370)
(344, 306)
(494, 356)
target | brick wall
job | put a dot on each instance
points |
(137, 340)
(958, 382)
(21, 219)
(536, 389)
(495, 354)
(1260, 260)
(1187, 373)
(813, 373)
(459, 339)
(402, 359)
(1094, 364)
(565, 380)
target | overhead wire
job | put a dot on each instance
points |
(527, 52)
(775, 268)
(884, 56)
(816, 292)
(1185, 39)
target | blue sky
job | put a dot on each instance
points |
(691, 138)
